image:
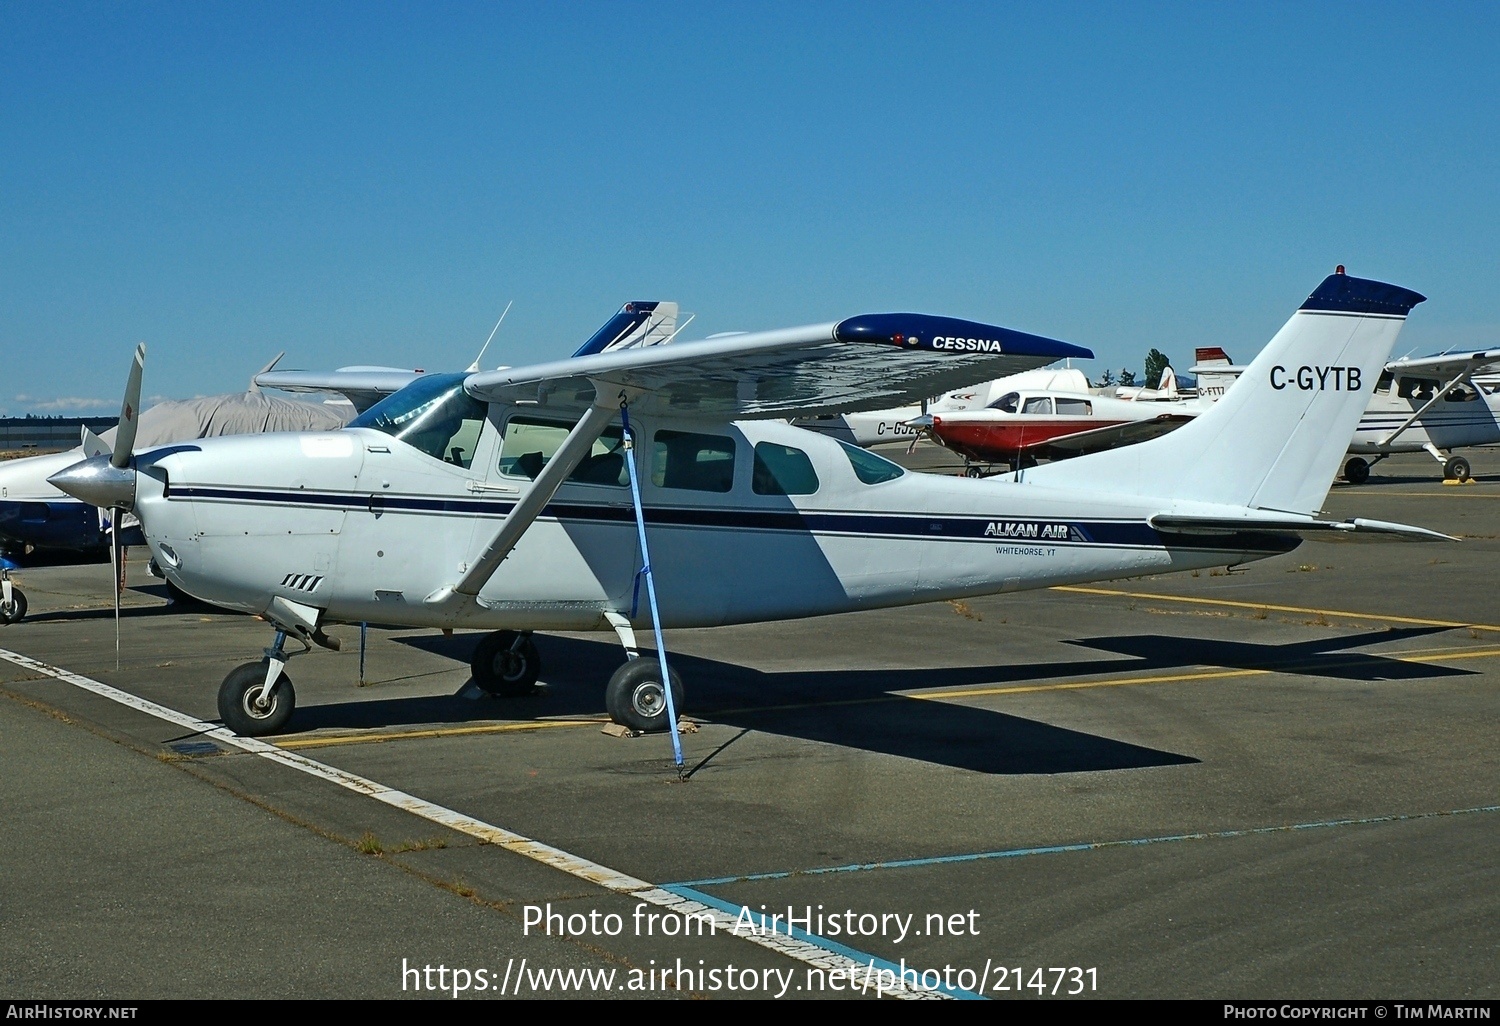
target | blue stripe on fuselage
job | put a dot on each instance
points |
(945, 527)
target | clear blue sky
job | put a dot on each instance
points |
(371, 183)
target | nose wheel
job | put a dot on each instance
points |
(12, 601)
(244, 705)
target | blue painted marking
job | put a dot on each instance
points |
(1344, 294)
(195, 748)
(862, 957)
(630, 317)
(1083, 846)
(971, 527)
(951, 334)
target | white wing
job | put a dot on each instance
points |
(868, 362)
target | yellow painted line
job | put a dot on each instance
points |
(403, 735)
(1410, 656)
(1074, 685)
(1270, 607)
(1440, 495)
(1407, 657)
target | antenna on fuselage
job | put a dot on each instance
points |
(475, 365)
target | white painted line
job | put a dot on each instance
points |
(807, 951)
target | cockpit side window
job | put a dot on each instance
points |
(1420, 389)
(433, 415)
(1007, 403)
(530, 443)
(868, 467)
(1384, 384)
(1038, 404)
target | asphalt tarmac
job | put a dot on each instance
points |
(1278, 782)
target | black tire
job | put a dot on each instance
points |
(239, 712)
(636, 699)
(502, 665)
(973, 472)
(1457, 469)
(1357, 470)
(13, 611)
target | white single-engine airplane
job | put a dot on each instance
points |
(524, 499)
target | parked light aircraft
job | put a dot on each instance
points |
(1434, 404)
(869, 428)
(1027, 424)
(510, 500)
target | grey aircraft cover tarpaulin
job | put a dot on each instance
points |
(181, 420)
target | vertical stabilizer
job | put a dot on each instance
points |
(1274, 441)
(639, 323)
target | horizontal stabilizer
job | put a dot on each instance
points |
(1116, 435)
(1325, 530)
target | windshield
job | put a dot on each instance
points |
(434, 415)
(868, 467)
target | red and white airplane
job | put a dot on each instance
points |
(1027, 424)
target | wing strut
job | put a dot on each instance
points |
(640, 526)
(563, 462)
(1464, 376)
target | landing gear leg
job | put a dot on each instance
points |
(506, 663)
(257, 698)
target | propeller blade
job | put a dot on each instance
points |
(93, 445)
(130, 411)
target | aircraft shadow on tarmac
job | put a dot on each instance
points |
(852, 709)
(857, 708)
(171, 605)
(1325, 657)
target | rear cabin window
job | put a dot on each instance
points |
(530, 443)
(1038, 404)
(692, 461)
(782, 470)
(868, 467)
(1075, 407)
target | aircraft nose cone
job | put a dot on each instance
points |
(924, 421)
(98, 482)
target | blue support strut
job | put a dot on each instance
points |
(640, 526)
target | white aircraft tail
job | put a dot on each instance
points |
(1214, 372)
(1275, 441)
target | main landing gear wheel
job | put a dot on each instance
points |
(13, 611)
(1456, 469)
(1357, 470)
(636, 699)
(506, 663)
(239, 701)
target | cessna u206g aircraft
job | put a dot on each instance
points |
(533, 498)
